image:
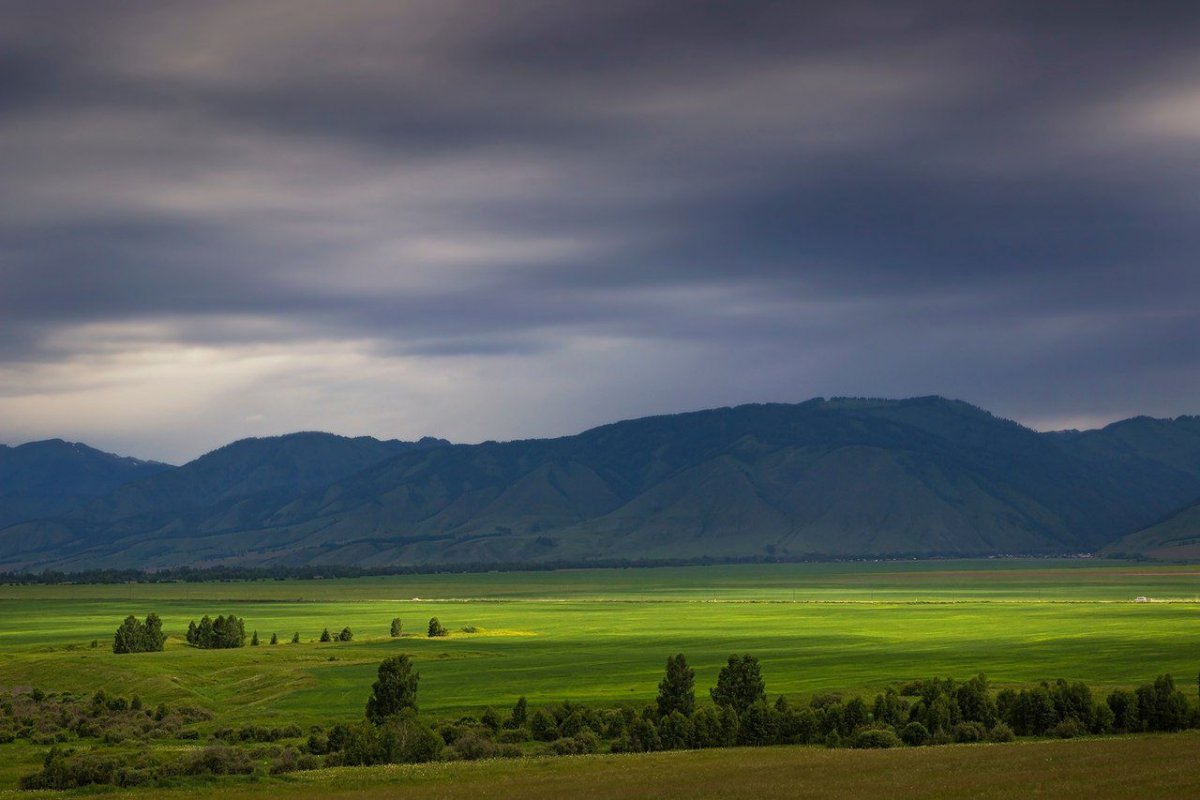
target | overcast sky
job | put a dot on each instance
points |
(486, 220)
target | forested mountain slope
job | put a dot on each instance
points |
(43, 479)
(844, 477)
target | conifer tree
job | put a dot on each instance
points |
(677, 691)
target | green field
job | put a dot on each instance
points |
(602, 636)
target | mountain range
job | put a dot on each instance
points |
(825, 478)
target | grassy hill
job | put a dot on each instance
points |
(843, 477)
(1177, 537)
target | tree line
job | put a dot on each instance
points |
(927, 712)
(225, 632)
(231, 574)
(917, 713)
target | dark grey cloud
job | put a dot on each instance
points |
(229, 218)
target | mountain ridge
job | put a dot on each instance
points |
(53, 476)
(842, 477)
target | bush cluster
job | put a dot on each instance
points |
(49, 718)
(346, 635)
(138, 636)
(217, 634)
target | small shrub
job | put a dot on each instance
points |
(286, 761)
(543, 727)
(1069, 728)
(914, 734)
(876, 738)
(581, 744)
(490, 719)
(218, 760)
(969, 732)
(1001, 733)
(472, 747)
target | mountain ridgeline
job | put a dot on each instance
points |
(825, 478)
(43, 479)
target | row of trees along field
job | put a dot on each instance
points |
(926, 712)
(224, 632)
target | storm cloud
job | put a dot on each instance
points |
(480, 220)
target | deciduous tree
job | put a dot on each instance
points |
(739, 684)
(394, 691)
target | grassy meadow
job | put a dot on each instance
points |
(602, 636)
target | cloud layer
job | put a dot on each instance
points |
(481, 221)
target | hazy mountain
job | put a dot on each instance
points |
(225, 484)
(43, 479)
(838, 477)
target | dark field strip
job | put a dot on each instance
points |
(900, 581)
(1129, 768)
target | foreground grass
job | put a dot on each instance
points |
(1147, 766)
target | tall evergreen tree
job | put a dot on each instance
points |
(153, 632)
(325, 637)
(296, 637)
(395, 627)
(125, 639)
(435, 628)
(677, 691)
(274, 639)
(520, 713)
